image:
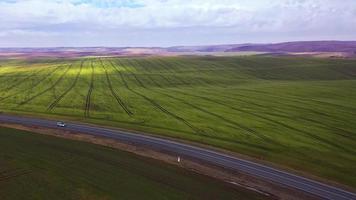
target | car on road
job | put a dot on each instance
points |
(61, 124)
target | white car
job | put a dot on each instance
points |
(61, 124)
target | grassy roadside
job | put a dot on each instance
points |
(34, 166)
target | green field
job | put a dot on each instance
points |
(297, 112)
(34, 166)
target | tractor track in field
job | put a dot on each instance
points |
(235, 124)
(338, 131)
(304, 100)
(160, 74)
(121, 76)
(219, 67)
(114, 94)
(198, 71)
(25, 78)
(56, 101)
(282, 103)
(11, 174)
(46, 90)
(196, 68)
(292, 99)
(134, 64)
(310, 135)
(21, 81)
(138, 64)
(90, 91)
(213, 71)
(162, 63)
(157, 105)
(17, 80)
(132, 74)
(168, 67)
(147, 69)
(325, 103)
(167, 80)
(32, 86)
(200, 109)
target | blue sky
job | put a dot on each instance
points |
(110, 4)
(44, 23)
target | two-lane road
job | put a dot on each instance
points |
(278, 176)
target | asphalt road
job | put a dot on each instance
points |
(278, 176)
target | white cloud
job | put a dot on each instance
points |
(240, 19)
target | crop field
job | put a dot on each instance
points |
(34, 166)
(296, 112)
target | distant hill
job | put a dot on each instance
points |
(208, 48)
(294, 47)
(329, 48)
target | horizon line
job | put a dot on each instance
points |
(165, 47)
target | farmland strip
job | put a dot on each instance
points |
(115, 95)
(56, 101)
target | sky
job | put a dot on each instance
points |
(74, 23)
